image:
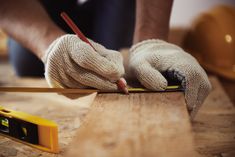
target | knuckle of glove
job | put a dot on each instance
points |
(115, 67)
(83, 56)
(56, 59)
(60, 46)
(116, 72)
(158, 53)
(109, 62)
(117, 59)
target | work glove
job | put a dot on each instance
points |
(149, 59)
(72, 63)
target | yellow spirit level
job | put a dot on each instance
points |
(28, 129)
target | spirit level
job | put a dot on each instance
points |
(28, 129)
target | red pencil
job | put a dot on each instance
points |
(75, 29)
(121, 83)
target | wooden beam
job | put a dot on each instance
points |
(138, 125)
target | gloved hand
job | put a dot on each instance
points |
(72, 63)
(149, 58)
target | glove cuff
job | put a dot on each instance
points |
(144, 42)
(161, 45)
(44, 58)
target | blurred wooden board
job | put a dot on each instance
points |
(143, 124)
(3, 45)
(214, 125)
(213, 129)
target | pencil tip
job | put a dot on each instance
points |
(122, 85)
(126, 90)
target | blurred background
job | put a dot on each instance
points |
(206, 29)
(185, 11)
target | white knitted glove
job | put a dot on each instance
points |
(72, 63)
(150, 58)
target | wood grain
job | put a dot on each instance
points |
(213, 128)
(140, 125)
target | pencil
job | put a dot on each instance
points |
(121, 83)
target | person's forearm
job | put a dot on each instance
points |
(28, 23)
(152, 19)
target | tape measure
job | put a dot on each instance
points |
(82, 91)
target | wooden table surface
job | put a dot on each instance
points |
(213, 128)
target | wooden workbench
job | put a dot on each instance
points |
(213, 129)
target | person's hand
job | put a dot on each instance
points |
(72, 63)
(150, 58)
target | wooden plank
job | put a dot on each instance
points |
(136, 125)
(213, 128)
